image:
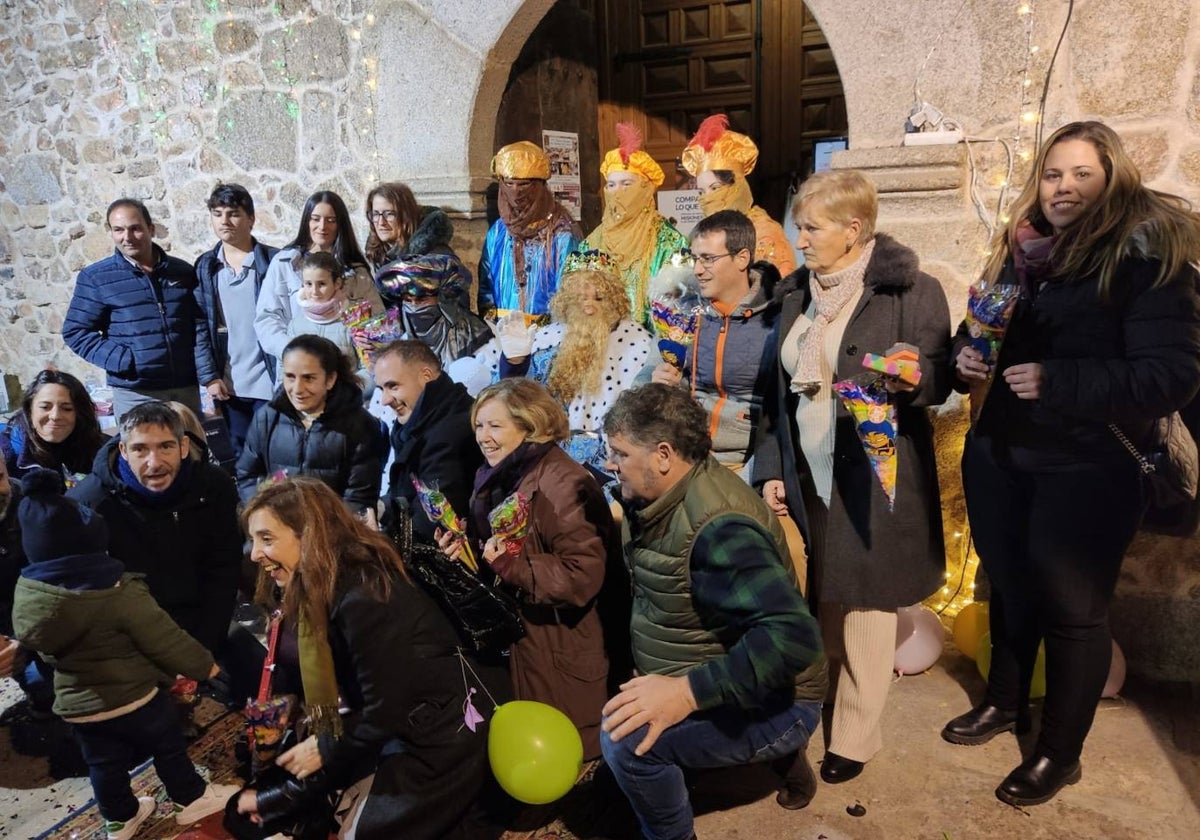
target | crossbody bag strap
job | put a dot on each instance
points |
(264, 683)
(1143, 462)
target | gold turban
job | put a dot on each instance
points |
(629, 157)
(521, 160)
(716, 147)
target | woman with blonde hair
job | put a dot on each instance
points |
(372, 641)
(1104, 340)
(557, 568)
(858, 292)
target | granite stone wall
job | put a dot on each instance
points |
(160, 100)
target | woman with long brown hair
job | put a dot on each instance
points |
(371, 639)
(401, 226)
(56, 427)
(1104, 340)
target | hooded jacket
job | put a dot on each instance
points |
(345, 447)
(190, 550)
(109, 647)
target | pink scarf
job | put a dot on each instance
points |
(830, 295)
(323, 312)
(1031, 256)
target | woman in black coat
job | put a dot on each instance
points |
(372, 642)
(316, 425)
(1106, 331)
(858, 293)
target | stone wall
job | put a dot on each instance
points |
(160, 100)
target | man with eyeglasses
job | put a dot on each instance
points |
(732, 359)
(235, 371)
(524, 252)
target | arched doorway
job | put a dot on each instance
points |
(765, 63)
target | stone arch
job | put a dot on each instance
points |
(492, 82)
(464, 51)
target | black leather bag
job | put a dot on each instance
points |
(299, 808)
(487, 618)
(1170, 474)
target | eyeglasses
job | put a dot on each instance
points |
(380, 215)
(708, 260)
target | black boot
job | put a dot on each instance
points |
(799, 781)
(1038, 779)
(980, 725)
(835, 769)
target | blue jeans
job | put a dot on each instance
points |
(110, 747)
(722, 737)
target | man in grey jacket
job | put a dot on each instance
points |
(733, 357)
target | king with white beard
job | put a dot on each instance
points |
(586, 356)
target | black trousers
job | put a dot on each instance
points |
(1051, 534)
(111, 747)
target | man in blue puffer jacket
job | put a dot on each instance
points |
(135, 315)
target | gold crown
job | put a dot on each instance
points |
(591, 261)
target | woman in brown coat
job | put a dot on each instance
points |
(559, 566)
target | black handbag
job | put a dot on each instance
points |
(1170, 474)
(486, 617)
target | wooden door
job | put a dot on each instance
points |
(665, 65)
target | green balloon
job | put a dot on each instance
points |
(535, 751)
(983, 661)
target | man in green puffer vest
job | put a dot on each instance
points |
(730, 664)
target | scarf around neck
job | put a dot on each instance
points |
(319, 678)
(494, 484)
(325, 311)
(153, 499)
(1031, 257)
(830, 293)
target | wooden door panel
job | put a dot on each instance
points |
(765, 63)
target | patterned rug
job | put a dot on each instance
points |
(593, 810)
(212, 754)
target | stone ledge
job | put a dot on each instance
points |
(909, 169)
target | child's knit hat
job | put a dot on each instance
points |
(54, 526)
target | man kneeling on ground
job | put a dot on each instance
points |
(731, 664)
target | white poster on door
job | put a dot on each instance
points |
(562, 147)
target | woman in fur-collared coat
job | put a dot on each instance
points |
(859, 292)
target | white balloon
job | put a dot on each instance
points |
(920, 638)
